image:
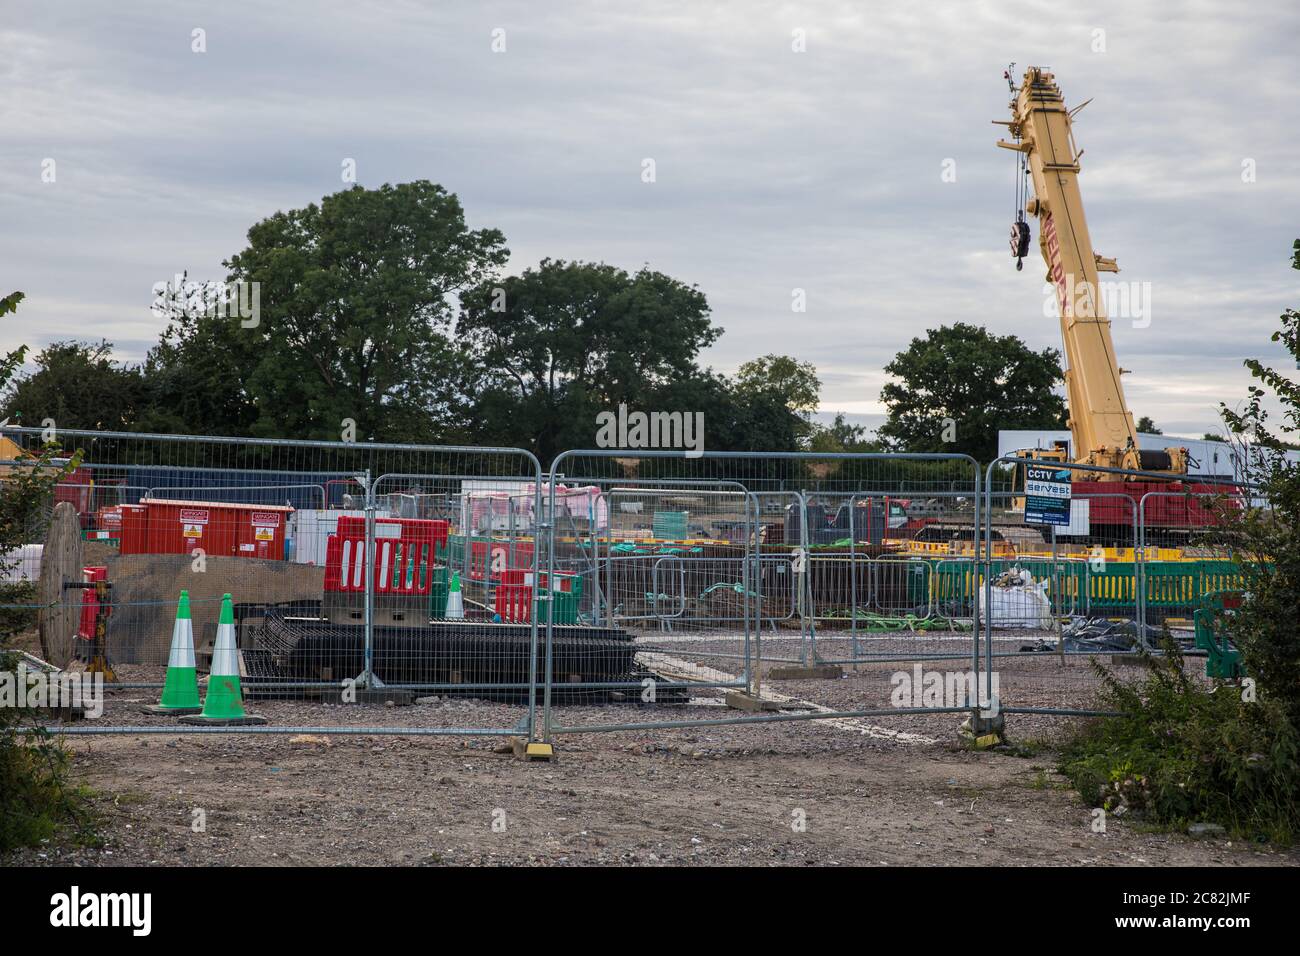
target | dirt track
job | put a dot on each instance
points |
(891, 789)
(705, 796)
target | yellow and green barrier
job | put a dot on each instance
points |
(1106, 586)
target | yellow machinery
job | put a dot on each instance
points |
(1101, 424)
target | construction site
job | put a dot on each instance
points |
(389, 653)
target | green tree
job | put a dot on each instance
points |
(1146, 426)
(796, 381)
(773, 383)
(194, 382)
(842, 436)
(1267, 628)
(954, 389)
(355, 312)
(78, 385)
(561, 342)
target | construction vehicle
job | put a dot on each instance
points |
(1101, 426)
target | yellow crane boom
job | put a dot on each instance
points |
(1101, 424)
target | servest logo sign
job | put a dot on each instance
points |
(1047, 495)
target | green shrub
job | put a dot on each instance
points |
(36, 798)
(1183, 752)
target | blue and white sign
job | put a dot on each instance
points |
(1047, 495)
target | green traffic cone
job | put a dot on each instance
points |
(224, 703)
(455, 601)
(180, 693)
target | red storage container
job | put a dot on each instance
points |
(262, 535)
(221, 529)
(134, 534)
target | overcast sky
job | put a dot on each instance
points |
(775, 169)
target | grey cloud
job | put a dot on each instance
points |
(776, 170)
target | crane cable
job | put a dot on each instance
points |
(1019, 164)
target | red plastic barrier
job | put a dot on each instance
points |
(563, 581)
(488, 559)
(90, 601)
(513, 598)
(404, 553)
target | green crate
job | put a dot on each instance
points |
(566, 602)
(566, 607)
(438, 593)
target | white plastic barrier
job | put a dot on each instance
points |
(310, 529)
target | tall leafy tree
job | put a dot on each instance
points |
(783, 392)
(561, 342)
(356, 303)
(77, 385)
(955, 388)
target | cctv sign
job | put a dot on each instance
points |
(1047, 495)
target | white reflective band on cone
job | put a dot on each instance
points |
(225, 659)
(182, 652)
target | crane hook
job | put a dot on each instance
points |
(1020, 241)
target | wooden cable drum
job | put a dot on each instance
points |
(59, 608)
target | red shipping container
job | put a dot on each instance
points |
(220, 529)
(258, 537)
(134, 532)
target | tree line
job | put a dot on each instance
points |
(381, 311)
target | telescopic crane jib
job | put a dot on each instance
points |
(1101, 424)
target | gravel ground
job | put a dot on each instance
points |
(895, 790)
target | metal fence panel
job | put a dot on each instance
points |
(344, 563)
(624, 590)
(1125, 575)
(725, 567)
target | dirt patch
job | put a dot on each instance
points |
(725, 795)
(147, 586)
